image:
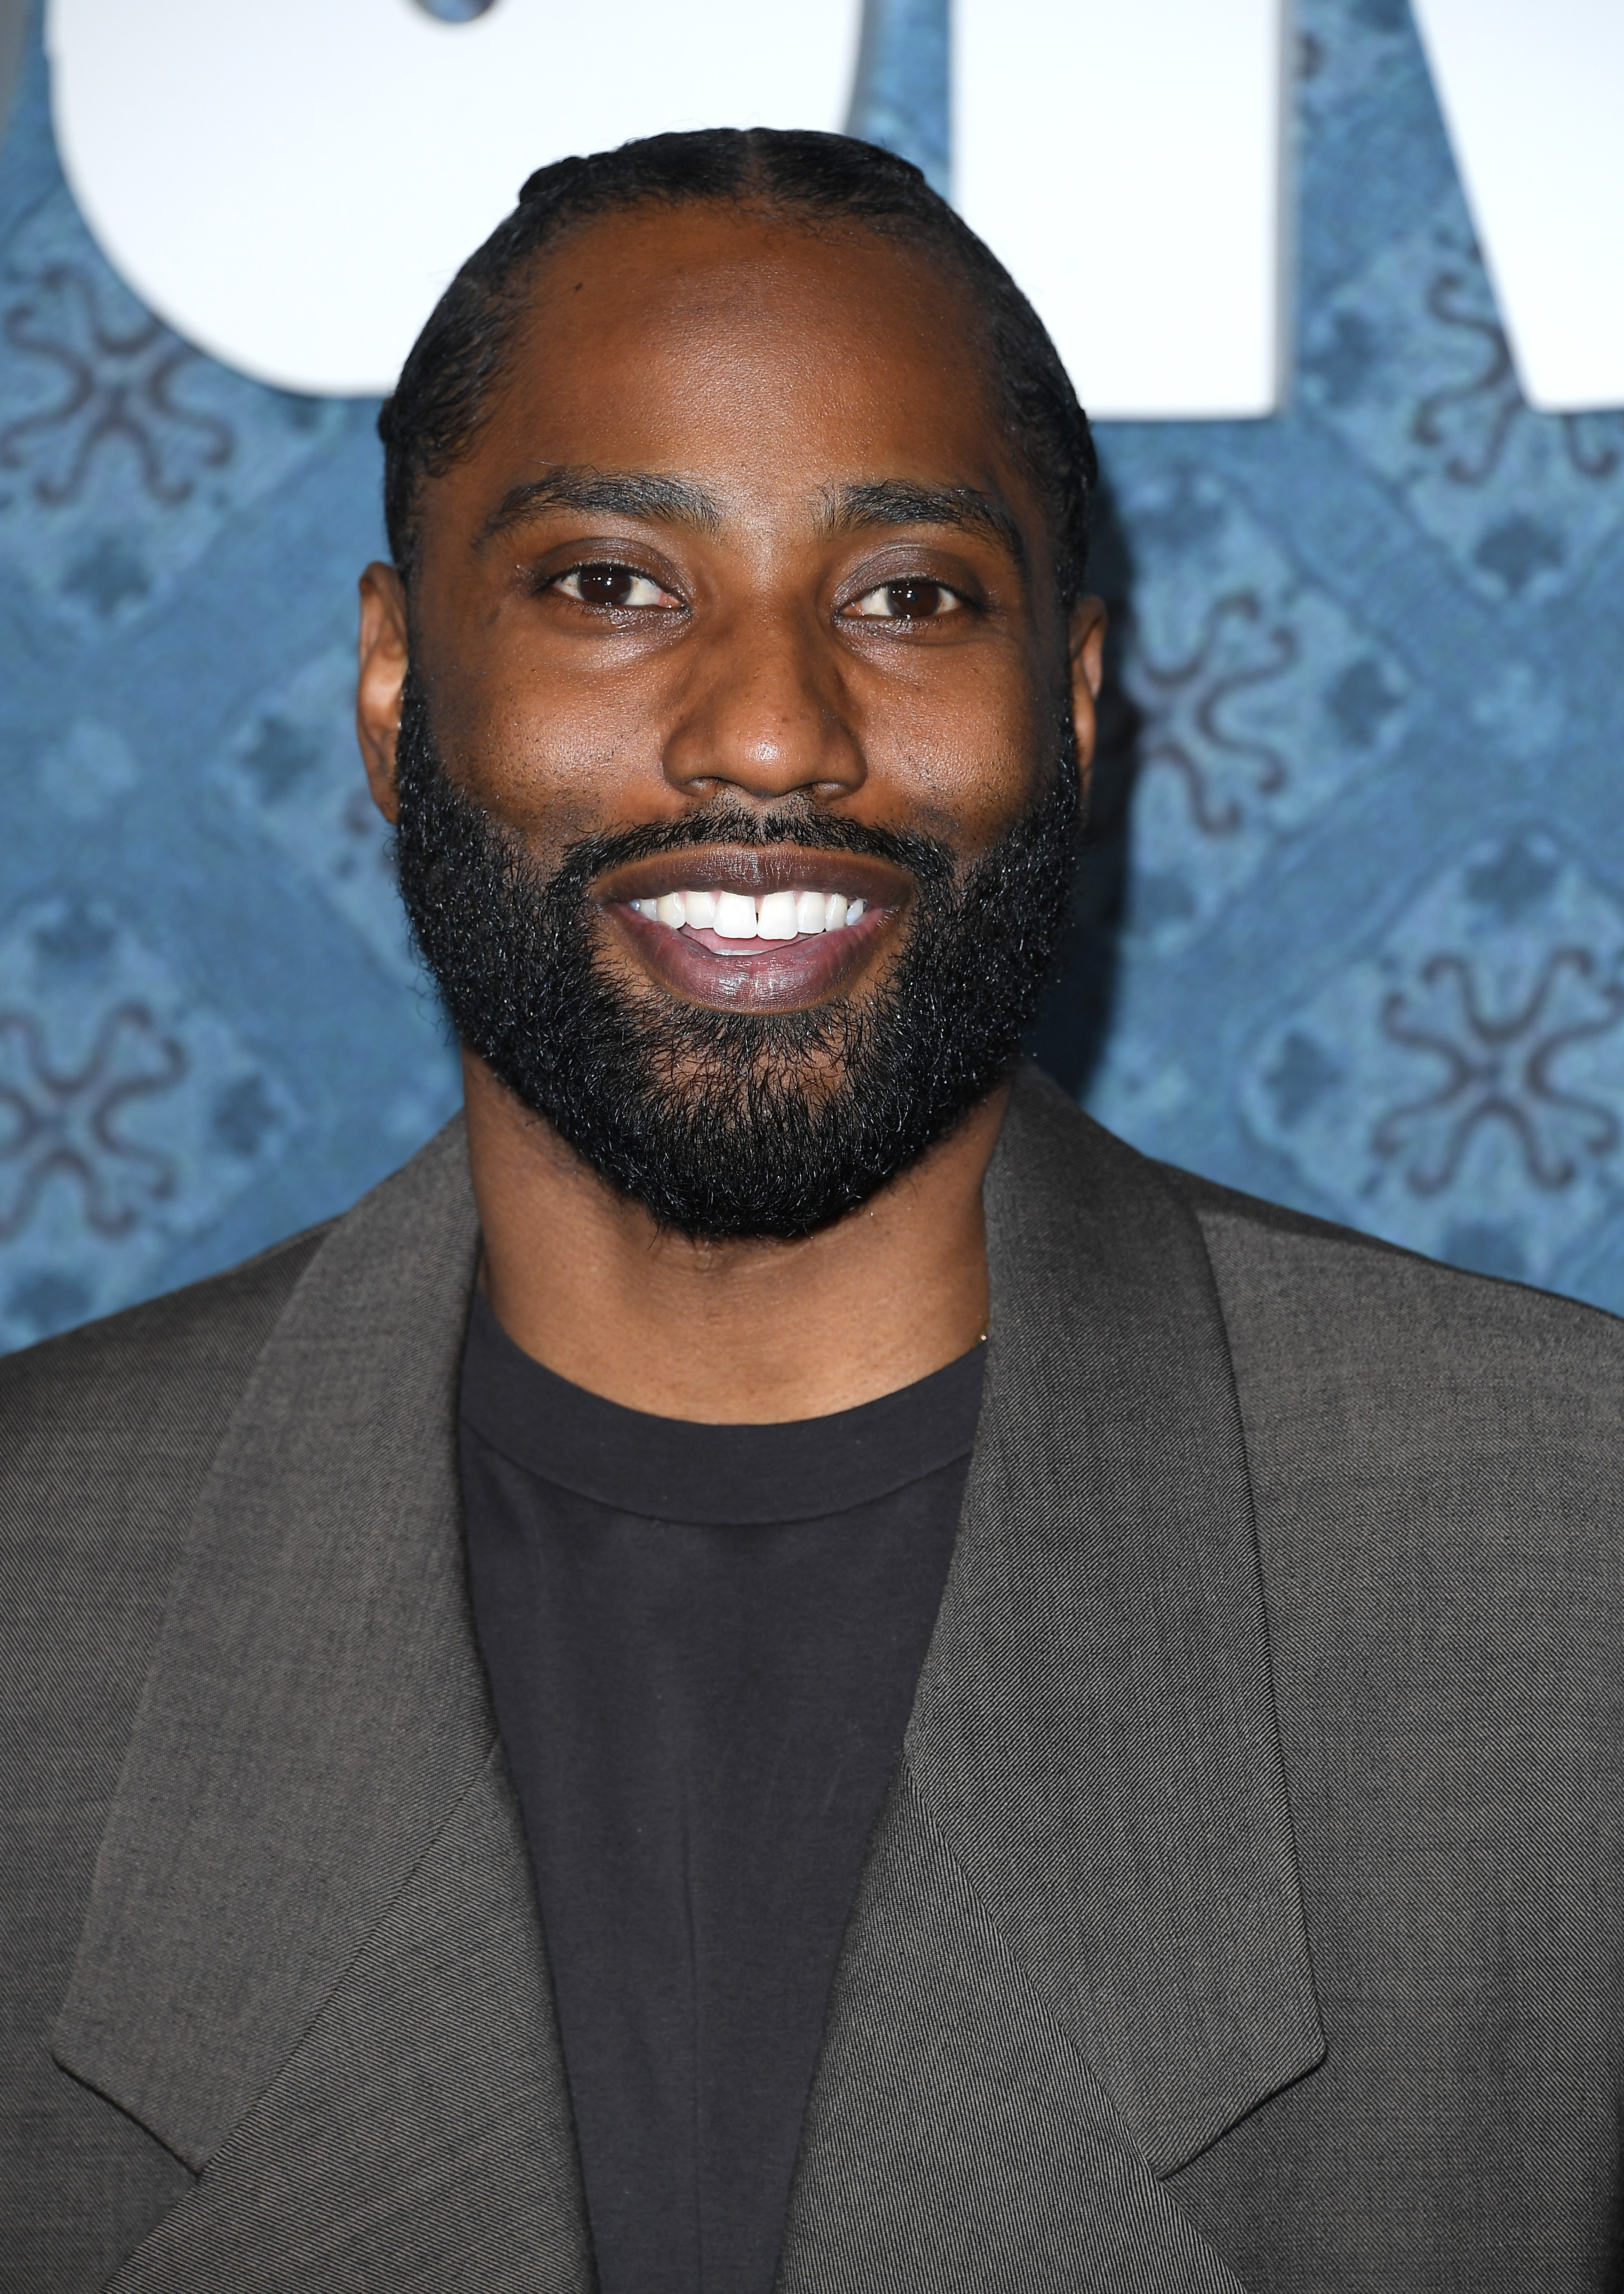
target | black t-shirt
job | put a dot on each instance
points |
(702, 1643)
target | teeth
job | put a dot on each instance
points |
(736, 916)
(778, 915)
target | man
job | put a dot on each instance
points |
(782, 1665)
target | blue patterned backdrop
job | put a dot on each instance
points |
(1352, 930)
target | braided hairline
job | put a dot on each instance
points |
(433, 416)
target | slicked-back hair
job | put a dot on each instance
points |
(446, 385)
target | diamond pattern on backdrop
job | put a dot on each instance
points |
(1368, 955)
(294, 770)
(1353, 931)
(1464, 1080)
(1258, 698)
(122, 451)
(131, 1113)
(211, 1029)
(1408, 363)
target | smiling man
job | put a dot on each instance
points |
(780, 1664)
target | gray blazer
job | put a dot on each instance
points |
(1246, 1909)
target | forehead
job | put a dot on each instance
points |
(766, 360)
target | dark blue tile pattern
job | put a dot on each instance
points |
(1352, 933)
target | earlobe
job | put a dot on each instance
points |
(384, 656)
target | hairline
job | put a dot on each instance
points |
(518, 292)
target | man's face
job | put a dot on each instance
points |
(741, 593)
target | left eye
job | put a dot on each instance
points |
(906, 601)
(615, 586)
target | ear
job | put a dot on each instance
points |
(385, 654)
(1086, 649)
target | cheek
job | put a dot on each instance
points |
(548, 750)
(547, 763)
(962, 770)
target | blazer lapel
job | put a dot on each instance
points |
(957, 2139)
(311, 1964)
(1093, 1798)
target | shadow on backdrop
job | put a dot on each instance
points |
(1069, 1033)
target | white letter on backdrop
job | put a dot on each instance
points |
(1533, 94)
(1124, 159)
(291, 182)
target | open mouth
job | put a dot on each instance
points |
(756, 929)
(728, 922)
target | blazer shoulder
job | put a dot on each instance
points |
(170, 1352)
(107, 1432)
(1339, 1331)
(1250, 1231)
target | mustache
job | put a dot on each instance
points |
(928, 861)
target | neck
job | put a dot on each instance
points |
(729, 1333)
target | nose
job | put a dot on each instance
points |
(765, 715)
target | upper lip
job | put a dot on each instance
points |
(758, 868)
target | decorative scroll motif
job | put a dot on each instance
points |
(122, 449)
(69, 1123)
(294, 768)
(1330, 717)
(117, 382)
(1390, 1020)
(130, 1114)
(1259, 698)
(1192, 705)
(1409, 361)
(1461, 1089)
(1499, 1068)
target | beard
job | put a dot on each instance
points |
(726, 1124)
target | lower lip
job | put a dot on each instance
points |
(753, 975)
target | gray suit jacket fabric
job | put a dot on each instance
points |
(1246, 1910)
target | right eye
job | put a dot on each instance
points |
(617, 588)
(912, 600)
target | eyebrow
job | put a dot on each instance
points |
(618, 493)
(893, 501)
(678, 501)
